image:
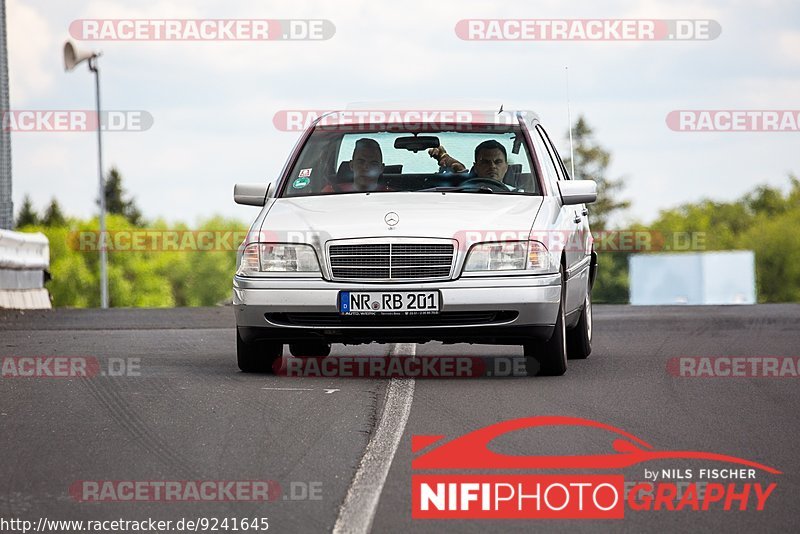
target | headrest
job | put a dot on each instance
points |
(514, 170)
(345, 173)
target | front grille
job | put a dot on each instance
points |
(439, 319)
(391, 261)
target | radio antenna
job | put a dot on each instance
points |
(569, 120)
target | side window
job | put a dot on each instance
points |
(545, 160)
(562, 171)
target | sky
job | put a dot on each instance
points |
(213, 103)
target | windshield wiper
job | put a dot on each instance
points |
(457, 189)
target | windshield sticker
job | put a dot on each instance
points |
(304, 173)
(300, 183)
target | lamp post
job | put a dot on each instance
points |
(72, 57)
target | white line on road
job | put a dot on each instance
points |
(361, 502)
(290, 389)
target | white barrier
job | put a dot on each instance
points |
(23, 260)
(24, 251)
(719, 277)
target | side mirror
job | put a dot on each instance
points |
(577, 191)
(251, 194)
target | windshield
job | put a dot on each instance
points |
(340, 162)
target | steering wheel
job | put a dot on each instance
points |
(495, 185)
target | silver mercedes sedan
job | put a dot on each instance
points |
(459, 228)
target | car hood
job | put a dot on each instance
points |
(473, 216)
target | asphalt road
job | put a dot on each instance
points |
(183, 412)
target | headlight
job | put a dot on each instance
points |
(276, 257)
(508, 256)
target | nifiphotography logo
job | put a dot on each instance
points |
(714, 482)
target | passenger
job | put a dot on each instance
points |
(491, 160)
(367, 166)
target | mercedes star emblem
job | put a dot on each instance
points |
(391, 218)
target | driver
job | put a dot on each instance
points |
(367, 166)
(491, 160)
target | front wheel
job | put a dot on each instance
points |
(258, 356)
(579, 339)
(549, 358)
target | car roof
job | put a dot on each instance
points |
(400, 112)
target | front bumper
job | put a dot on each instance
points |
(501, 309)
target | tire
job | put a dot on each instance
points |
(258, 356)
(549, 358)
(579, 339)
(310, 349)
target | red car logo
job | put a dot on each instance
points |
(471, 451)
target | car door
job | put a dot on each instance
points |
(555, 224)
(576, 232)
(586, 240)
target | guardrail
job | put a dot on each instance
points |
(24, 258)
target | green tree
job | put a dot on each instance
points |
(768, 200)
(74, 284)
(142, 276)
(27, 216)
(764, 221)
(203, 277)
(591, 163)
(116, 203)
(612, 283)
(53, 216)
(777, 253)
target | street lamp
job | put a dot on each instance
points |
(72, 57)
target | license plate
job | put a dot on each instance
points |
(388, 302)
